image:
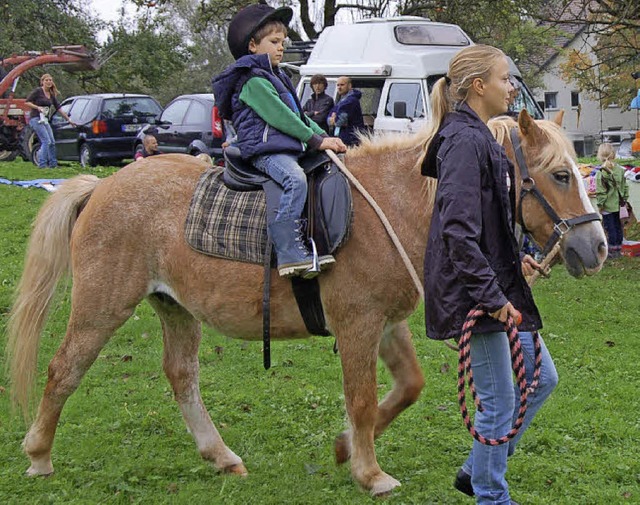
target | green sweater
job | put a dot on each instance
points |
(610, 187)
(262, 97)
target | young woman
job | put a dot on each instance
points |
(473, 258)
(611, 190)
(44, 104)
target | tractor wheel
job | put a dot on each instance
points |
(30, 145)
(8, 155)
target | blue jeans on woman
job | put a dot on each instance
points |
(285, 170)
(500, 398)
(47, 155)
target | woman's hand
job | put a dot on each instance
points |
(506, 311)
(529, 265)
(332, 143)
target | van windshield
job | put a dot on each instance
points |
(431, 35)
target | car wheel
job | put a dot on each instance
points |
(30, 145)
(87, 158)
(8, 155)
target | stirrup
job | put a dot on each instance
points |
(315, 268)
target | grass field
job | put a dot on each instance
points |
(121, 438)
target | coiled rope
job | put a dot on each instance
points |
(465, 375)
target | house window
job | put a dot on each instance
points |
(575, 99)
(551, 100)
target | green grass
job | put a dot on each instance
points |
(121, 438)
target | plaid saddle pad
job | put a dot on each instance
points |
(225, 223)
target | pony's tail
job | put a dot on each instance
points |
(47, 260)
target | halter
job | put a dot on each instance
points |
(560, 226)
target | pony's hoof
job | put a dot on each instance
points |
(237, 469)
(43, 470)
(384, 485)
(342, 448)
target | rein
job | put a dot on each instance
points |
(387, 225)
(465, 375)
(560, 226)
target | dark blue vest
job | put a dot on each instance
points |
(255, 136)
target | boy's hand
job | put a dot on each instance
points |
(332, 143)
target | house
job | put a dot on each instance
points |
(586, 122)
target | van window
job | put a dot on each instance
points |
(371, 91)
(306, 91)
(409, 93)
(431, 35)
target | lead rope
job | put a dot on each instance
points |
(385, 222)
(465, 375)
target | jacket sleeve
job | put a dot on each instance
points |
(601, 191)
(460, 206)
(262, 97)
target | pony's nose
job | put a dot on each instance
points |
(602, 249)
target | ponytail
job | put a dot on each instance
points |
(440, 105)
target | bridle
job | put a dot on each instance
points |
(528, 187)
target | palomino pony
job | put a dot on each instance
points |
(122, 240)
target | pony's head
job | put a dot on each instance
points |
(552, 203)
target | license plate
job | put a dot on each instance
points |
(131, 127)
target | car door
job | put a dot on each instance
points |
(63, 132)
(407, 92)
(168, 130)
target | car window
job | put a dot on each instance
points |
(197, 114)
(175, 111)
(78, 108)
(409, 93)
(57, 117)
(139, 107)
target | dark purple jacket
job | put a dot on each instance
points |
(472, 254)
(349, 116)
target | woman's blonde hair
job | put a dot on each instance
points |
(54, 88)
(606, 154)
(467, 65)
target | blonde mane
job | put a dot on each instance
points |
(555, 152)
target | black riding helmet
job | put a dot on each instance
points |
(247, 22)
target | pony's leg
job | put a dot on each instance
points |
(359, 352)
(87, 333)
(182, 334)
(399, 355)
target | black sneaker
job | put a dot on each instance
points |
(463, 483)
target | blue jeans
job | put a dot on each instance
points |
(493, 377)
(284, 169)
(613, 227)
(47, 155)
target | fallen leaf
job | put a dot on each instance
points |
(444, 368)
(126, 357)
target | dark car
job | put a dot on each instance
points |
(107, 127)
(190, 124)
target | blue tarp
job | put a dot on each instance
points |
(635, 103)
(48, 184)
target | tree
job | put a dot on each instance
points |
(610, 53)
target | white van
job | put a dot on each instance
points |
(395, 63)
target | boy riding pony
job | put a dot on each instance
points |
(272, 130)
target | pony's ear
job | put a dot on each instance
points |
(527, 125)
(559, 117)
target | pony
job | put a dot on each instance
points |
(121, 240)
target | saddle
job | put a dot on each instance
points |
(329, 208)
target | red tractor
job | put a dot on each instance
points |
(14, 119)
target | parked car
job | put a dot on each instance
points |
(107, 127)
(190, 124)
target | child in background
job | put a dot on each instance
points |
(612, 192)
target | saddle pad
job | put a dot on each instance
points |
(225, 223)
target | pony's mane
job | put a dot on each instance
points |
(554, 153)
(558, 147)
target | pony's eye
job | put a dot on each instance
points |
(563, 177)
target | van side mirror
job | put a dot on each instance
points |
(400, 110)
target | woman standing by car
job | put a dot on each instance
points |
(44, 104)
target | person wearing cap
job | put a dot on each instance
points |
(272, 130)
